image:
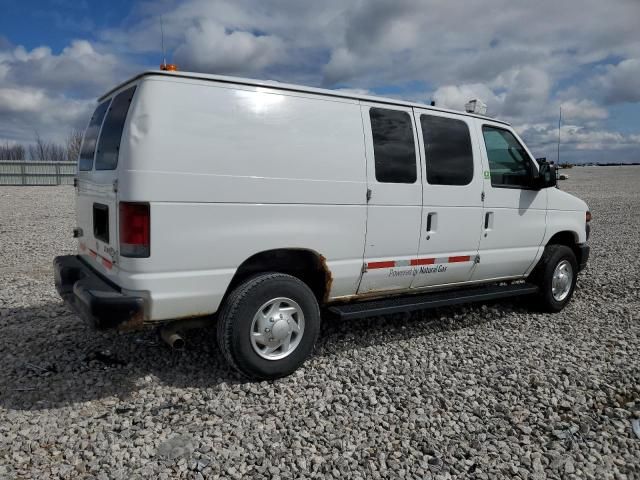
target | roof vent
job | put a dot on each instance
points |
(476, 106)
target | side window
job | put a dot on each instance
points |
(393, 146)
(448, 153)
(509, 163)
(109, 143)
(88, 149)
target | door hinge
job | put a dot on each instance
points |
(482, 197)
(368, 194)
(477, 259)
(115, 186)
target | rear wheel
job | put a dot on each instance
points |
(556, 275)
(268, 326)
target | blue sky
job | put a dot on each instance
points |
(57, 56)
(56, 23)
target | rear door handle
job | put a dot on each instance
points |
(432, 222)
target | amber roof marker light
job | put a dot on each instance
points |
(169, 67)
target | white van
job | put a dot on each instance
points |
(262, 202)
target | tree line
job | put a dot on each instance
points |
(42, 150)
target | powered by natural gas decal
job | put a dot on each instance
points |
(413, 271)
(417, 265)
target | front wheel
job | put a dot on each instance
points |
(556, 275)
(268, 326)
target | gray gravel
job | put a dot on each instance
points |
(491, 391)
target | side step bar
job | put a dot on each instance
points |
(410, 303)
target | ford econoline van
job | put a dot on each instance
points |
(256, 204)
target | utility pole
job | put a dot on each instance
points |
(559, 125)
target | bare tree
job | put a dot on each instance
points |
(12, 152)
(38, 151)
(74, 144)
(44, 151)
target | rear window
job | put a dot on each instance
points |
(88, 149)
(109, 143)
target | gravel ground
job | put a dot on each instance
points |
(491, 391)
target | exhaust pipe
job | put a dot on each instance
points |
(172, 338)
(171, 335)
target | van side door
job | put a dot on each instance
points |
(452, 199)
(514, 219)
(394, 197)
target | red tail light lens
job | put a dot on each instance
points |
(135, 229)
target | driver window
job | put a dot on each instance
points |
(509, 163)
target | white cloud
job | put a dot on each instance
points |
(355, 91)
(208, 47)
(20, 100)
(583, 110)
(621, 83)
(576, 139)
(455, 96)
(79, 68)
(25, 111)
(53, 93)
(528, 93)
(521, 94)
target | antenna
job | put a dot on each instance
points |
(167, 67)
(164, 54)
(559, 124)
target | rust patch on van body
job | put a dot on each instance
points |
(136, 322)
(328, 279)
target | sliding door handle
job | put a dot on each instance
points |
(432, 222)
(488, 221)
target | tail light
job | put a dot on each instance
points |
(135, 229)
(588, 216)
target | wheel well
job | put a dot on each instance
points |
(307, 265)
(568, 239)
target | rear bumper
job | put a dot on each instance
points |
(95, 299)
(584, 256)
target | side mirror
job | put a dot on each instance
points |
(546, 175)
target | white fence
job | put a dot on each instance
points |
(16, 172)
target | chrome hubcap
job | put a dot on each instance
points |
(277, 328)
(562, 280)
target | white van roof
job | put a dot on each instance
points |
(292, 88)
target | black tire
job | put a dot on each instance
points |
(543, 276)
(236, 317)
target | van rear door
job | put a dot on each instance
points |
(97, 187)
